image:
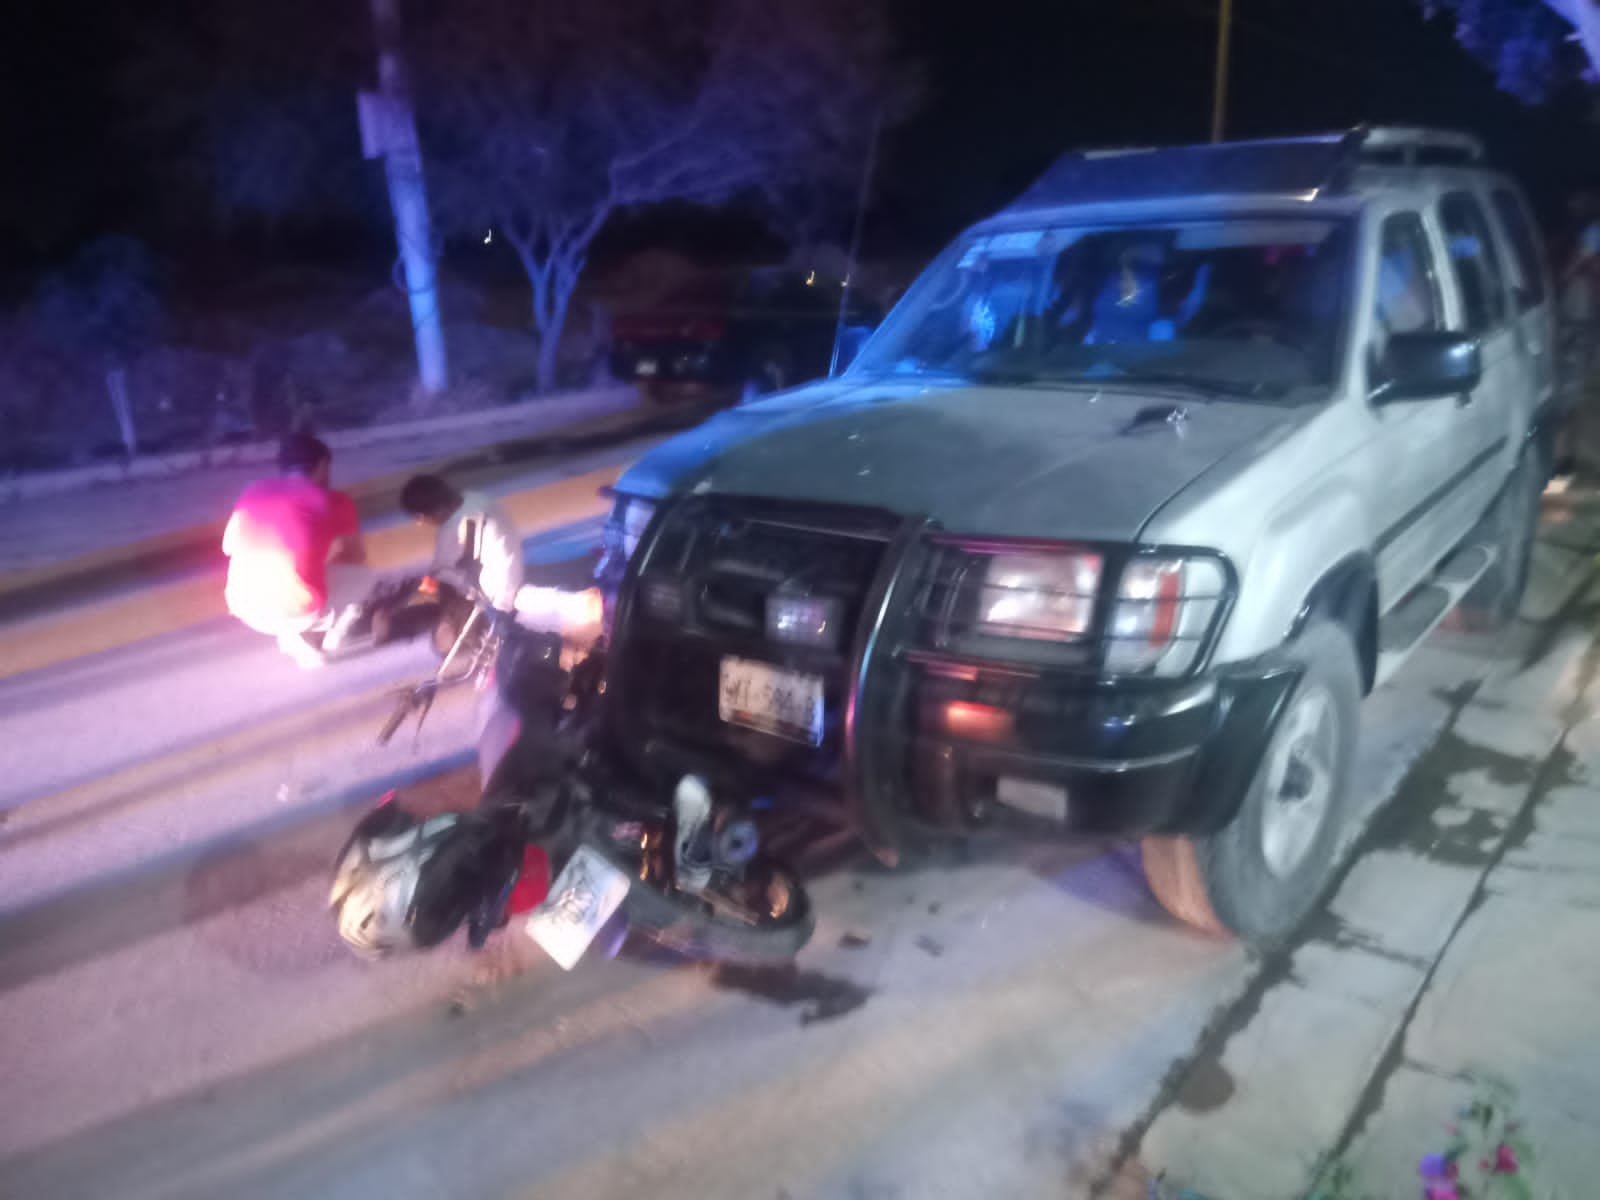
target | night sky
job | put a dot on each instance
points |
(1013, 85)
(1008, 86)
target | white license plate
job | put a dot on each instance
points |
(582, 899)
(783, 703)
(645, 366)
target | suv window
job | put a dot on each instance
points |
(1408, 288)
(1524, 249)
(1242, 305)
(1473, 258)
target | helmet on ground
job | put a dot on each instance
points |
(402, 883)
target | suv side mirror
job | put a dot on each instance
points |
(1424, 366)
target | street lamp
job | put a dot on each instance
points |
(1219, 89)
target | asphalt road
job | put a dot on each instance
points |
(178, 1018)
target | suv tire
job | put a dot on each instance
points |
(1509, 527)
(1260, 875)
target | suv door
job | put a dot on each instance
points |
(1482, 446)
(1531, 292)
(1411, 448)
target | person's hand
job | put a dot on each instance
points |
(573, 653)
(350, 551)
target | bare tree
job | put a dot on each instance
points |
(1584, 17)
(246, 111)
(544, 118)
(1527, 43)
(540, 119)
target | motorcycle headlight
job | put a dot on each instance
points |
(1164, 612)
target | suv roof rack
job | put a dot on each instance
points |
(1418, 146)
(1292, 166)
(1401, 146)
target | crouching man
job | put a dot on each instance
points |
(296, 562)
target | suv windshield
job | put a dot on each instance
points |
(1240, 305)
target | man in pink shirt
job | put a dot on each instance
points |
(296, 562)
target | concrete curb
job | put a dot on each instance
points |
(559, 409)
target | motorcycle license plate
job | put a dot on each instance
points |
(582, 899)
(786, 704)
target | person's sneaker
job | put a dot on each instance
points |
(298, 647)
(344, 629)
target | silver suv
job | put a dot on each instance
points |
(1141, 487)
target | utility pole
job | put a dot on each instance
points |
(1219, 88)
(855, 240)
(389, 131)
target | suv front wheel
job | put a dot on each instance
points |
(1259, 876)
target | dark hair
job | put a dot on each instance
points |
(300, 453)
(429, 496)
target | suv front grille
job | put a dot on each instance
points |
(722, 561)
(744, 562)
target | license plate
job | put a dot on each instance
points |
(645, 366)
(582, 899)
(785, 704)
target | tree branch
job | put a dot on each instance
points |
(1584, 16)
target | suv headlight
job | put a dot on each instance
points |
(1039, 596)
(1163, 614)
(1019, 602)
(1081, 608)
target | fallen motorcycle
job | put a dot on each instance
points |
(409, 608)
(686, 870)
(419, 606)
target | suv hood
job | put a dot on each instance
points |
(1076, 462)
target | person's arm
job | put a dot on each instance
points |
(468, 550)
(500, 559)
(348, 546)
(351, 550)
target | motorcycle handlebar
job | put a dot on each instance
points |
(503, 626)
(396, 719)
(421, 696)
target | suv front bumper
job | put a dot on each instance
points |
(921, 742)
(988, 749)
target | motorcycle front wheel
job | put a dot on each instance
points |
(697, 929)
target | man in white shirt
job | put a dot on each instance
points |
(473, 531)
